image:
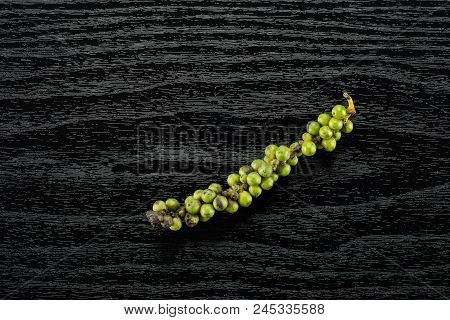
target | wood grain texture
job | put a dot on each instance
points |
(78, 78)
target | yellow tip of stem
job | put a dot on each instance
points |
(351, 106)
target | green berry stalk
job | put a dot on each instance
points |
(252, 180)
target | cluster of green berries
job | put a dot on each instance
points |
(326, 131)
(252, 180)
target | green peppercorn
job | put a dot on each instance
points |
(233, 179)
(313, 128)
(283, 153)
(176, 224)
(294, 146)
(267, 183)
(293, 161)
(339, 112)
(245, 199)
(255, 191)
(306, 136)
(329, 144)
(193, 206)
(235, 194)
(284, 169)
(323, 119)
(188, 199)
(167, 222)
(233, 206)
(265, 170)
(198, 194)
(172, 204)
(267, 159)
(257, 163)
(348, 127)
(182, 212)
(217, 188)
(253, 179)
(159, 206)
(335, 124)
(308, 148)
(244, 170)
(220, 203)
(275, 177)
(271, 150)
(325, 132)
(208, 196)
(191, 220)
(206, 212)
(337, 135)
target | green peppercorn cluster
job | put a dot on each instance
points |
(252, 180)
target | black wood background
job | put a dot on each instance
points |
(78, 78)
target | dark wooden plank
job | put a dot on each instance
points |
(80, 81)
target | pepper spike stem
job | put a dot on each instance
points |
(165, 213)
(351, 106)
